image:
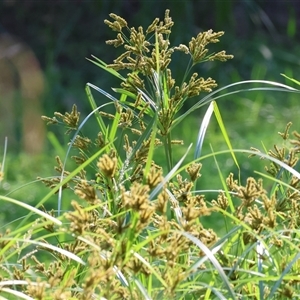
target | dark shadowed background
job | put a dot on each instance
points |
(43, 46)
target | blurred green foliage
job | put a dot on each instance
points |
(63, 33)
(263, 38)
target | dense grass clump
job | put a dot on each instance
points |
(132, 221)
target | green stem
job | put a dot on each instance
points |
(168, 151)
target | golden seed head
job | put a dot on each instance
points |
(108, 165)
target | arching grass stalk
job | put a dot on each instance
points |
(3, 161)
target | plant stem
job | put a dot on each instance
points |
(168, 151)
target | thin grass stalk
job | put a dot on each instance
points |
(207, 99)
(214, 261)
(231, 205)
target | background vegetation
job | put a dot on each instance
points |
(263, 39)
(259, 35)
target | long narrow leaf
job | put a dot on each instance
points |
(68, 151)
(202, 131)
(223, 181)
(210, 97)
(142, 289)
(213, 260)
(106, 94)
(117, 116)
(62, 251)
(169, 175)
(151, 148)
(14, 293)
(224, 132)
(98, 62)
(292, 79)
(66, 180)
(281, 278)
(31, 209)
(94, 107)
(4, 156)
(280, 163)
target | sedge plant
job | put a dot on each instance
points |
(133, 228)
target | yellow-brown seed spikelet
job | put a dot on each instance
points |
(108, 165)
(193, 170)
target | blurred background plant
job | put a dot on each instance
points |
(56, 36)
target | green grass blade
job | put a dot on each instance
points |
(114, 127)
(106, 94)
(55, 143)
(98, 62)
(94, 107)
(281, 278)
(275, 86)
(31, 209)
(223, 181)
(292, 79)
(142, 289)
(224, 132)
(14, 293)
(202, 131)
(151, 148)
(65, 180)
(169, 175)
(3, 160)
(60, 250)
(213, 260)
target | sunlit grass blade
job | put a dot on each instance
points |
(151, 148)
(224, 132)
(101, 91)
(62, 251)
(95, 108)
(32, 209)
(202, 130)
(292, 79)
(142, 289)
(213, 260)
(98, 62)
(115, 123)
(275, 86)
(261, 251)
(66, 180)
(169, 175)
(203, 259)
(223, 181)
(3, 160)
(283, 274)
(14, 293)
